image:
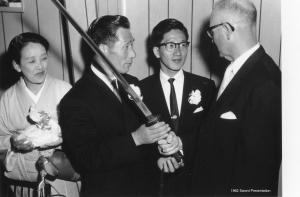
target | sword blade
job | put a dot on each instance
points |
(105, 63)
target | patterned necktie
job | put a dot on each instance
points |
(114, 83)
(228, 75)
(173, 106)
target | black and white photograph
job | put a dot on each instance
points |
(155, 98)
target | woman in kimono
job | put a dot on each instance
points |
(35, 90)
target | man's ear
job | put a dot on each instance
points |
(156, 52)
(103, 48)
(16, 66)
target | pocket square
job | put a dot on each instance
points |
(199, 109)
(228, 115)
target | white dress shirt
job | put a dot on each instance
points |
(178, 86)
(234, 67)
(104, 78)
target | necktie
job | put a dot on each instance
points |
(228, 75)
(114, 83)
(173, 106)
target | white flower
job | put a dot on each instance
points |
(34, 115)
(195, 97)
(44, 130)
(137, 90)
(39, 118)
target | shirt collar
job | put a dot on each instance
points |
(103, 77)
(237, 63)
(179, 76)
(106, 80)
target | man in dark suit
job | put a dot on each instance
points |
(102, 135)
(238, 150)
(192, 94)
(239, 146)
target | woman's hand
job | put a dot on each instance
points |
(22, 145)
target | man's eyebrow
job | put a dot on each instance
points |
(132, 40)
(129, 41)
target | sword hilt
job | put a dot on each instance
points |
(153, 119)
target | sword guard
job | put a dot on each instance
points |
(152, 119)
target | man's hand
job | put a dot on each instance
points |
(149, 135)
(169, 145)
(168, 164)
(22, 145)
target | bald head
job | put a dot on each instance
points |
(234, 27)
(242, 11)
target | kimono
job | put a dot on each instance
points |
(14, 108)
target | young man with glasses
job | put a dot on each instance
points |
(180, 98)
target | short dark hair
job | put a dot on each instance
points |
(103, 30)
(164, 27)
(20, 41)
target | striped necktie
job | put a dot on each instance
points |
(114, 83)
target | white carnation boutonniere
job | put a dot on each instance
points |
(137, 90)
(195, 97)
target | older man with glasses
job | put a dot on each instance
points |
(238, 151)
(180, 98)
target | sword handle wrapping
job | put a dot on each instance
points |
(153, 119)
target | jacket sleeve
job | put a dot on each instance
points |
(83, 146)
(260, 156)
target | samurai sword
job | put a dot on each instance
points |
(107, 67)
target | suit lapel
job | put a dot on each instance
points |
(238, 80)
(185, 106)
(160, 97)
(103, 87)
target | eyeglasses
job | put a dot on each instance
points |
(210, 32)
(170, 46)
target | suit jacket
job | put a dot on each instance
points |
(96, 129)
(190, 117)
(240, 154)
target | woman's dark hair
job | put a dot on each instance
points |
(164, 27)
(20, 41)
